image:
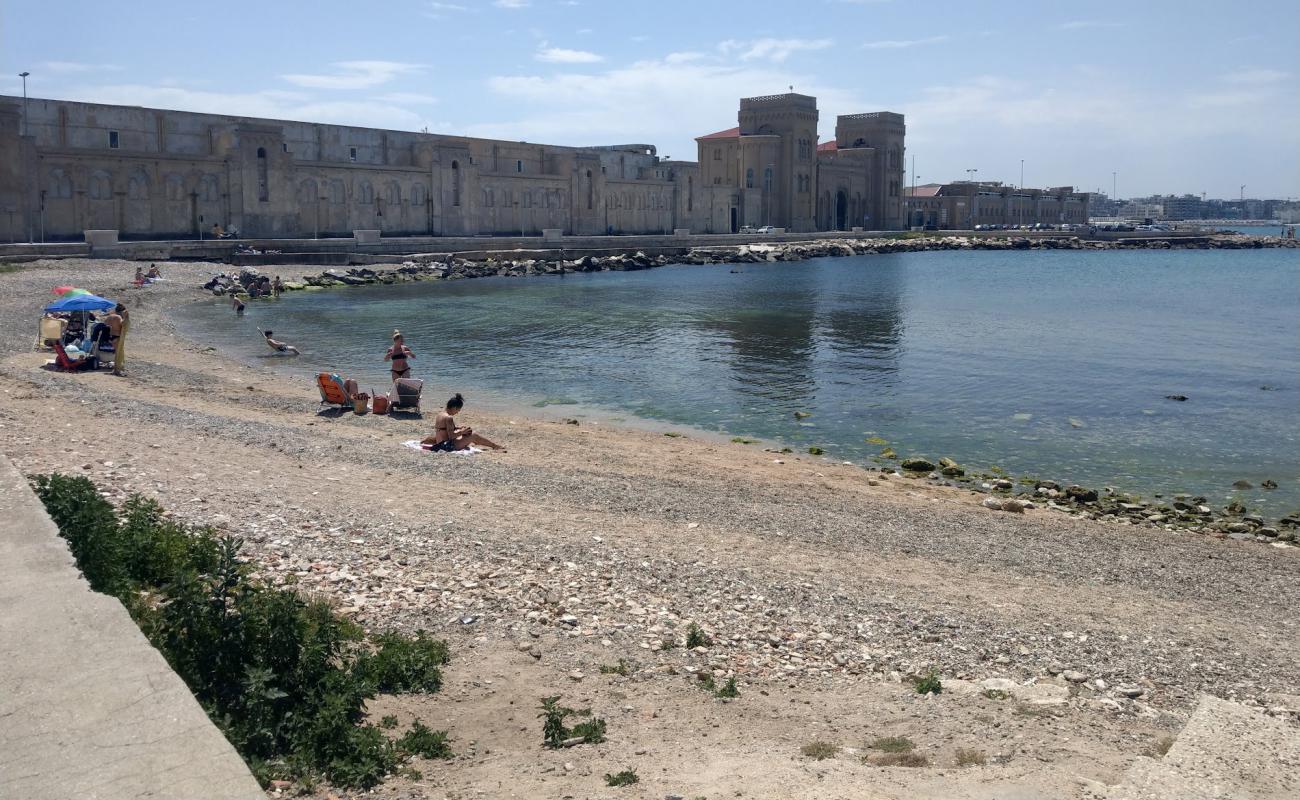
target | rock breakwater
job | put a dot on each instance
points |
(449, 267)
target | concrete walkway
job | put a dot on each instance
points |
(88, 708)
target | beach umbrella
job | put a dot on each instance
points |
(81, 302)
(62, 290)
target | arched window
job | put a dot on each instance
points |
(767, 179)
(307, 191)
(338, 192)
(690, 200)
(100, 187)
(519, 166)
(365, 193)
(394, 194)
(263, 189)
(749, 178)
(174, 187)
(60, 186)
(591, 191)
(455, 183)
(137, 188)
(208, 188)
(417, 195)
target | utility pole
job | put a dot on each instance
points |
(1022, 173)
(1114, 182)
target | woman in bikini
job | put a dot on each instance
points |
(447, 437)
(398, 354)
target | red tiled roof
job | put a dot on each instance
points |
(929, 190)
(828, 147)
(729, 133)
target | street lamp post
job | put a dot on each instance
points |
(974, 194)
(1022, 173)
(26, 124)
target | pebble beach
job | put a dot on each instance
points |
(1068, 646)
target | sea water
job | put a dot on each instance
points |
(1054, 364)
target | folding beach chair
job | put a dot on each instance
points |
(406, 393)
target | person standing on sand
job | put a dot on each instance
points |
(447, 437)
(277, 286)
(119, 323)
(398, 354)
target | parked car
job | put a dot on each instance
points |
(748, 229)
(766, 229)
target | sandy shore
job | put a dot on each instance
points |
(822, 586)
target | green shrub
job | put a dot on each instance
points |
(820, 751)
(621, 668)
(625, 778)
(554, 730)
(422, 741)
(929, 683)
(388, 723)
(728, 691)
(282, 677)
(695, 637)
(403, 664)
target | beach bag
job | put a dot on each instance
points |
(379, 405)
(359, 402)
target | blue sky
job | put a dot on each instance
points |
(1185, 96)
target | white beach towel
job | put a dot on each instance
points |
(414, 444)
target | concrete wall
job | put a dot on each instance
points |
(88, 708)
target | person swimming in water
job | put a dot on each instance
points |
(447, 437)
(398, 354)
(279, 347)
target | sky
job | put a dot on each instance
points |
(1162, 96)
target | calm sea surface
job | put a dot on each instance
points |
(1053, 364)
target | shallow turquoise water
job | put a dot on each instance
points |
(1054, 364)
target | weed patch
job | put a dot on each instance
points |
(815, 451)
(421, 741)
(970, 758)
(820, 751)
(282, 676)
(893, 744)
(900, 760)
(996, 694)
(929, 683)
(621, 668)
(625, 778)
(696, 637)
(554, 731)
(743, 440)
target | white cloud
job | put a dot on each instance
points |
(380, 112)
(777, 50)
(513, 4)
(438, 10)
(666, 101)
(1256, 76)
(1084, 24)
(408, 98)
(354, 75)
(562, 55)
(898, 44)
(73, 67)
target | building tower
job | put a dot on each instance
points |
(778, 137)
(883, 132)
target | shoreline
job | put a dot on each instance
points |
(825, 588)
(1163, 508)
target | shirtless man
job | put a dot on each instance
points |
(279, 347)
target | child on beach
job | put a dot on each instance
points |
(447, 437)
(398, 354)
(279, 347)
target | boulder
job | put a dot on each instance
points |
(1081, 495)
(917, 464)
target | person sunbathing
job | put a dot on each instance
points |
(447, 437)
(279, 347)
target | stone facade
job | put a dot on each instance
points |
(964, 204)
(770, 169)
(155, 174)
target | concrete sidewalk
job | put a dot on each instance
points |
(88, 708)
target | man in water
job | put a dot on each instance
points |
(279, 347)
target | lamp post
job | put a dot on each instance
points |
(974, 194)
(1114, 182)
(1022, 173)
(24, 75)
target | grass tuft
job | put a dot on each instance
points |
(820, 751)
(900, 760)
(625, 778)
(929, 683)
(421, 741)
(696, 637)
(621, 668)
(970, 757)
(893, 744)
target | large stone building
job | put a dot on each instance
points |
(67, 167)
(963, 205)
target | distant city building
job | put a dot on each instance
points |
(149, 173)
(964, 204)
(1189, 206)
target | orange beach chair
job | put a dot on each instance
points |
(333, 389)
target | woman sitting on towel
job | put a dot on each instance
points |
(447, 437)
(398, 354)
